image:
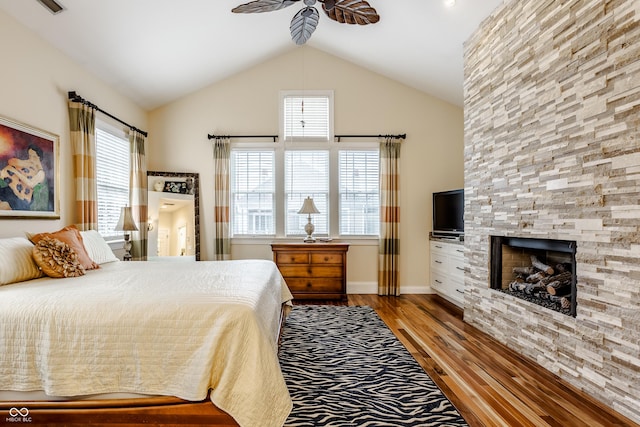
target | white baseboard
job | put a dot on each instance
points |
(372, 288)
(362, 288)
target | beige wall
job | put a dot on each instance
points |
(365, 102)
(34, 81)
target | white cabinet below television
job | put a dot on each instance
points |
(447, 270)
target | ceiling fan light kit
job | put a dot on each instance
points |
(305, 22)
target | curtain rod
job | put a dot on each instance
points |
(274, 137)
(401, 136)
(73, 96)
(338, 137)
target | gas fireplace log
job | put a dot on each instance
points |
(535, 278)
(541, 266)
(561, 268)
(524, 270)
(559, 288)
(562, 277)
(533, 288)
(517, 286)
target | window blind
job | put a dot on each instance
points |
(306, 118)
(112, 179)
(359, 188)
(252, 192)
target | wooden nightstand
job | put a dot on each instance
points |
(313, 270)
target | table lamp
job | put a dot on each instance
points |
(126, 224)
(308, 207)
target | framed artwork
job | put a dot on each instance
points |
(29, 172)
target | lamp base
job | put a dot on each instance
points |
(127, 248)
(309, 230)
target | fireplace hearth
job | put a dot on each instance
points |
(541, 271)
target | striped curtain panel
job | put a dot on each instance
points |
(138, 195)
(221, 167)
(389, 248)
(82, 126)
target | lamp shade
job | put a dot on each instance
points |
(308, 207)
(126, 222)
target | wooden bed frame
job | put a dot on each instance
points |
(157, 411)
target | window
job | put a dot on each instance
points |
(306, 175)
(252, 192)
(306, 117)
(112, 177)
(359, 192)
(269, 182)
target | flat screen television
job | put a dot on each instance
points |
(448, 213)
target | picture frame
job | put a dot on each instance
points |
(29, 172)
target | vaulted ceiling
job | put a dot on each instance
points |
(156, 51)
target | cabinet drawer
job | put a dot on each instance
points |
(438, 262)
(292, 258)
(289, 271)
(299, 285)
(438, 282)
(326, 258)
(456, 268)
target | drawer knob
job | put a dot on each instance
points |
(326, 258)
(438, 262)
(309, 284)
(309, 270)
(460, 268)
(438, 281)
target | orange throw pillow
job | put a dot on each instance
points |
(71, 236)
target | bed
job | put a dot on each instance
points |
(143, 343)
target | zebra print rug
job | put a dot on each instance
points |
(344, 367)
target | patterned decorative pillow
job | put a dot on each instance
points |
(16, 262)
(56, 258)
(71, 236)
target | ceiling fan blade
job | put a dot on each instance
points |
(352, 12)
(303, 24)
(258, 6)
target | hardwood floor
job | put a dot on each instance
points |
(489, 384)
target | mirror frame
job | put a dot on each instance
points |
(196, 200)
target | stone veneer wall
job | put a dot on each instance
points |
(552, 150)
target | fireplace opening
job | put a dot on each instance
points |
(541, 271)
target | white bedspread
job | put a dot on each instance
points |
(175, 329)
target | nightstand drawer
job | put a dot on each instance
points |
(288, 271)
(298, 285)
(292, 258)
(326, 258)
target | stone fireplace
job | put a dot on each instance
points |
(541, 271)
(552, 152)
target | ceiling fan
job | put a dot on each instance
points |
(306, 20)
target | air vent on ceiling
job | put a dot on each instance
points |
(52, 5)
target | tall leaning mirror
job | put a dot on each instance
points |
(174, 216)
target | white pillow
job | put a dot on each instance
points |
(16, 260)
(98, 250)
